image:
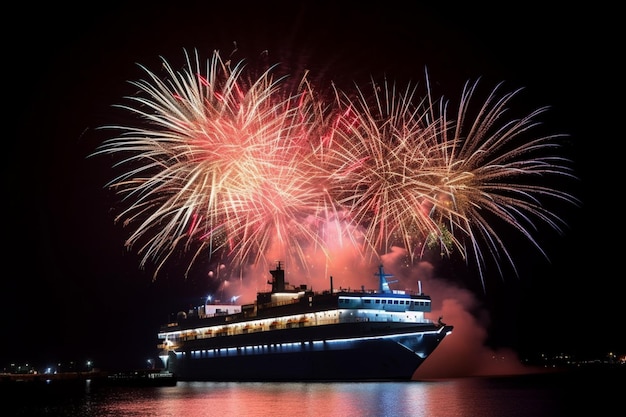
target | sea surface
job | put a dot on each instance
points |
(564, 394)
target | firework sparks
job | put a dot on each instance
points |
(417, 175)
(219, 165)
(379, 159)
(256, 167)
(496, 168)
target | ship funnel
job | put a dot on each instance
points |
(278, 281)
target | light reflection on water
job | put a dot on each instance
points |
(284, 399)
(485, 397)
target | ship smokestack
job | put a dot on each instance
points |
(278, 282)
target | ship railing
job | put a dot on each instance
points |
(375, 291)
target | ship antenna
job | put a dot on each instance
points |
(383, 284)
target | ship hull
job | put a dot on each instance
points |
(364, 353)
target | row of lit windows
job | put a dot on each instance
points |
(322, 317)
(384, 301)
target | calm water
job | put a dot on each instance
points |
(534, 395)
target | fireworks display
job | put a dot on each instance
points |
(255, 168)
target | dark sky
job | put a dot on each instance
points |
(71, 290)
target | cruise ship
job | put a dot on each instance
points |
(294, 334)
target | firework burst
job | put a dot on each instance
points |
(257, 167)
(377, 160)
(418, 175)
(219, 164)
(494, 168)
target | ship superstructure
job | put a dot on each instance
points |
(294, 334)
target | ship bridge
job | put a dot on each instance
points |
(387, 302)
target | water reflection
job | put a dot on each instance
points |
(541, 395)
(195, 399)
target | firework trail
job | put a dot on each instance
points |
(258, 168)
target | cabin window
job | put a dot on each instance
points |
(395, 301)
(377, 301)
(384, 301)
(366, 301)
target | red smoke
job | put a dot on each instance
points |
(463, 353)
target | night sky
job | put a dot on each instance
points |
(71, 291)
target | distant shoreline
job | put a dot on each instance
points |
(159, 377)
(153, 377)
